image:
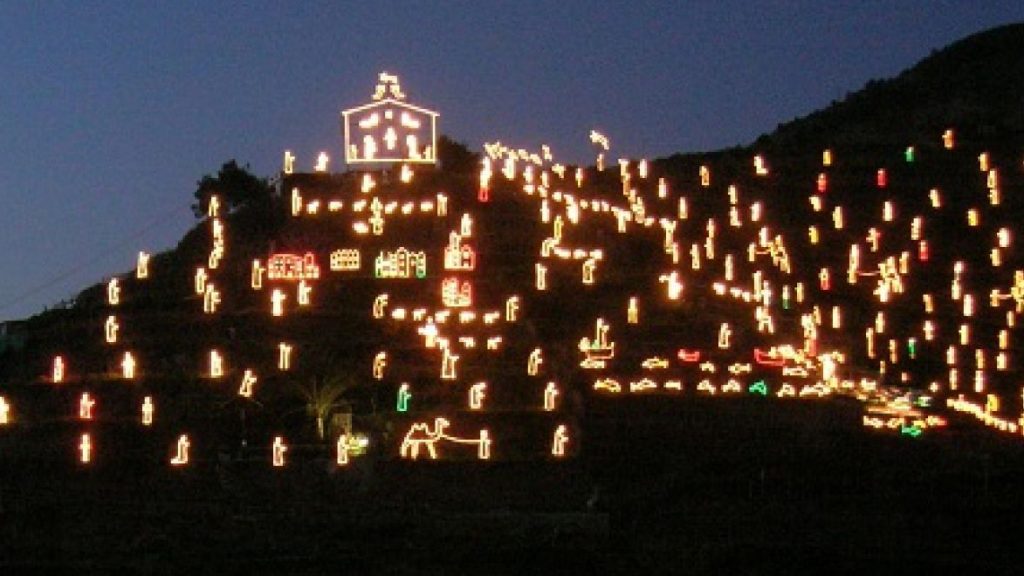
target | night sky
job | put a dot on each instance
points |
(109, 114)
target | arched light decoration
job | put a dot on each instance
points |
(389, 129)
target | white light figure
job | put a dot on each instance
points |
(289, 162)
(550, 396)
(304, 291)
(724, 334)
(85, 405)
(180, 457)
(558, 443)
(257, 274)
(128, 365)
(342, 449)
(200, 280)
(248, 381)
(147, 411)
(110, 329)
(277, 299)
(113, 292)
(448, 364)
(216, 364)
(142, 266)
(632, 311)
(542, 276)
(321, 162)
(284, 356)
(705, 176)
(534, 362)
(588, 270)
(278, 450)
(380, 362)
(477, 393)
(211, 299)
(58, 370)
(85, 449)
(5, 411)
(380, 304)
(511, 308)
(674, 286)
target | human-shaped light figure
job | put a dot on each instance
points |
(559, 441)
(404, 396)
(511, 308)
(448, 364)
(344, 444)
(248, 381)
(216, 364)
(180, 457)
(534, 361)
(289, 162)
(85, 405)
(633, 311)
(321, 162)
(85, 449)
(380, 304)
(148, 410)
(257, 274)
(542, 277)
(380, 362)
(5, 411)
(284, 356)
(142, 266)
(211, 298)
(278, 449)
(477, 393)
(128, 365)
(550, 396)
(277, 299)
(200, 280)
(110, 328)
(113, 292)
(304, 290)
(58, 369)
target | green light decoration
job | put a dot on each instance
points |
(912, 349)
(759, 387)
(924, 401)
(912, 431)
(909, 154)
(403, 398)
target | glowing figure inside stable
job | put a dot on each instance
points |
(180, 457)
(277, 451)
(422, 435)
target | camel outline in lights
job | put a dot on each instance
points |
(421, 434)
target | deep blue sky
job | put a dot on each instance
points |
(109, 114)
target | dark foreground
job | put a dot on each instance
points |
(717, 488)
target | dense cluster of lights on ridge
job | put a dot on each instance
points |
(737, 256)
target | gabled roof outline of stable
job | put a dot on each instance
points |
(389, 84)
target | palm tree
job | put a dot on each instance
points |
(322, 395)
